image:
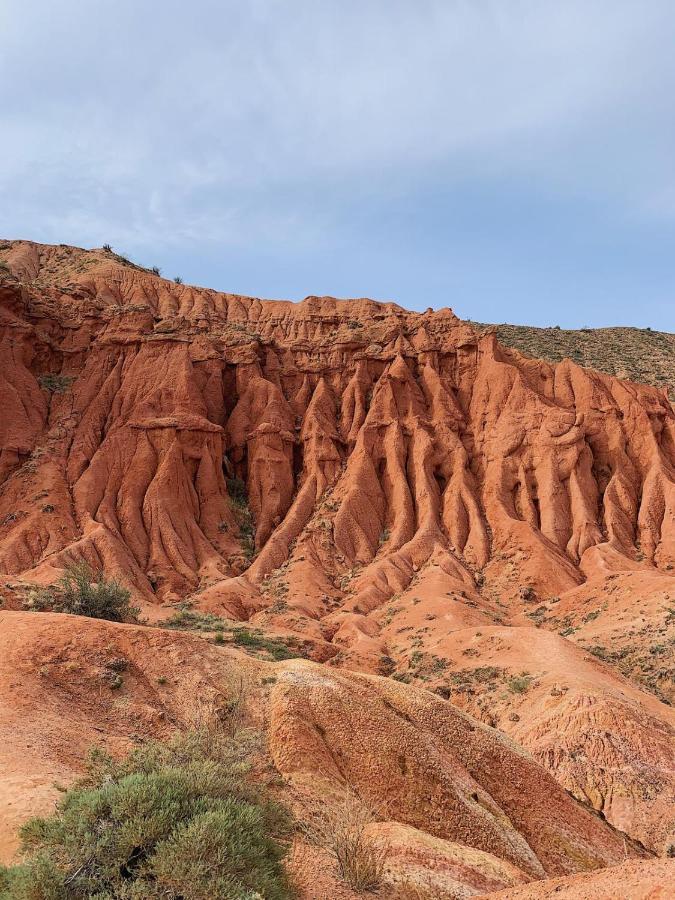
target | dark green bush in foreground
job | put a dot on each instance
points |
(175, 820)
(82, 592)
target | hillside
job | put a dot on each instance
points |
(470, 548)
(636, 354)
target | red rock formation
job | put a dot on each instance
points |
(419, 432)
(384, 484)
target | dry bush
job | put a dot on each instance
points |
(226, 711)
(340, 828)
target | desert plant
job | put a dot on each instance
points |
(107, 248)
(156, 270)
(187, 618)
(276, 647)
(178, 280)
(236, 489)
(175, 820)
(55, 383)
(340, 827)
(81, 592)
(519, 684)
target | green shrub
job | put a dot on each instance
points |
(186, 618)
(519, 684)
(236, 488)
(82, 592)
(55, 383)
(177, 820)
(276, 647)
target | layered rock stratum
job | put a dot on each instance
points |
(396, 493)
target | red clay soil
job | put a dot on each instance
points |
(446, 790)
(402, 495)
(651, 880)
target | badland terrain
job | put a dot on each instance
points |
(436, 573)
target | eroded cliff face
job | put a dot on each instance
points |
(369, 439)
(371, 479)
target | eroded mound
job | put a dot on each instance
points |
(651, 880)
(445, 790)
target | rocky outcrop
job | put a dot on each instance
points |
(131, 400)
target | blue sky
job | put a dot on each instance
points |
(511, 159)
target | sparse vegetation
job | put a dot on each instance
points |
(634, 353)
(277, 648)
(236, 490)
(481, 674)
(186, 618)
(156, 270)
(387, 665)
(55, 383)
(519, 684)
(175, 820)
(340, 827)
(178, 280)
(81, 592)
(649, 666)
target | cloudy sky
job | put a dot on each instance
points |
(512, 159)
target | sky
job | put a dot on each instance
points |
(511, 159)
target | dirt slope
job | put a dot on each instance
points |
(630, 881)
(456, 790)
(638, 354)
